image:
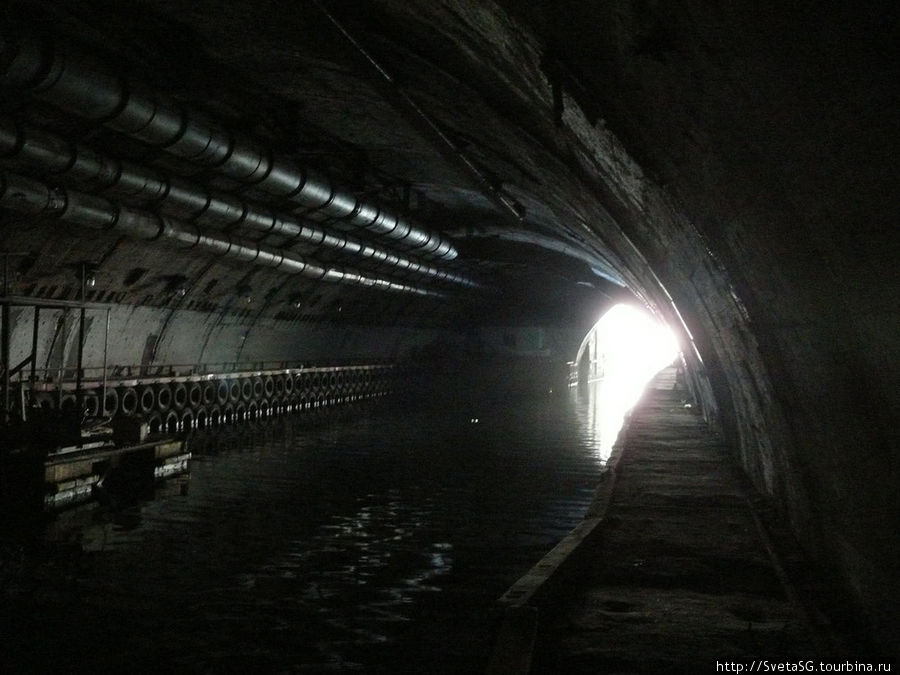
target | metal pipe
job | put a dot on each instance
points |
(79, 365)
(61, 326)
(31, 301)
(34, 343)
(31, 196)
(79, 86)
(105, 356)
(599, 263)
(4, 348)
(79, 372)
(46, 151)
(5, 338)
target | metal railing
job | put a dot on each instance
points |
(52, 378)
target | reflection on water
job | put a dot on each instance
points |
(374, 542)
(601, 410)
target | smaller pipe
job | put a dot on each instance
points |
(31, 196)
(78, 85)
(61, 325)
(185, 199)
(34, 344)
(79, 371)
(105, 355)
(5, 339)
(599, 264)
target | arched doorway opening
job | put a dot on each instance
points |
(618, 357)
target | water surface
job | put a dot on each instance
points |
(371, 540)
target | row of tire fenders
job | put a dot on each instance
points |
(225, 399)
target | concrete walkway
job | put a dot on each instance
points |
(672, 571)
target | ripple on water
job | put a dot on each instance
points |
(376, 542)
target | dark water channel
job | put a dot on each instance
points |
(373, 540)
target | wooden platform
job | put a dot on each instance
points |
(73, 477)
(34, 480)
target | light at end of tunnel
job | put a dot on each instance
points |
(635, 345)
(631, 347)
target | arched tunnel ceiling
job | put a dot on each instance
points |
(567, 149)
(732, 164)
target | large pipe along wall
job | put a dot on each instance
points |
(26, 195)
(74, 84)
(181, 198)
(182, 403)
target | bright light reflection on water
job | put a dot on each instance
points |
(631, 348)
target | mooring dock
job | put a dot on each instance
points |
(672, 570)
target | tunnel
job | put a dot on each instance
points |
(217, 214)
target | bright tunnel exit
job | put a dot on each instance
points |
(617, 359)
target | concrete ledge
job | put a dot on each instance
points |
(514, 645)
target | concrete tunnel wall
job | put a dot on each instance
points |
(737, 167)
(800, 356)
(190, 338)
(151, 337)
(744, 167)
